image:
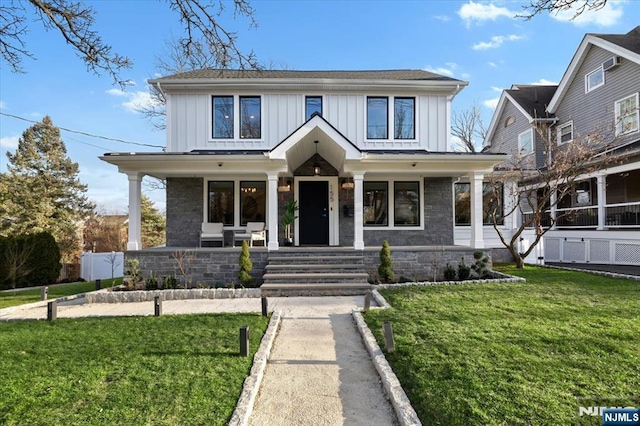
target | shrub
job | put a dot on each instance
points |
(481, 266)
(244, 275)
(169, 282)
(384, 270)
(464, 272)
(151, 283)
(449, 273)
(132, 277)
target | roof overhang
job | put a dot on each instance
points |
(300, 145)
(502, 103)
(577, 60)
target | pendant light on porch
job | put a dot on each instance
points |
(316, 165)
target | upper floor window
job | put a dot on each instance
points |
(222, 117)
(627, 115)
(404, 118)
(594, 79)
(250, 117)
(509, 121)
(313, 105)
(525, 142)
(565, 133)
(377, 118)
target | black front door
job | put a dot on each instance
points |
(313, 200)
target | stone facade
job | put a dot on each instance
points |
(418, 263)
(437, 218)
(206, 266)
(184, 211)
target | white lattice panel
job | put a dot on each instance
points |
(599, 251)
(627, 253)
(552, 249)
(574, 251)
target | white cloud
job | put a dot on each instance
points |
(479, 12)
(492, 64)
(491, 103)
(606, 16)
(3, 105)
(134, 101)
(465, 75)
(9, 142)
(544, 82)
(496, 41)
(440, 70)
(496, 89)
(443, 18)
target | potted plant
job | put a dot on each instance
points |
(288, 218)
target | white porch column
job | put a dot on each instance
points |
(135, 238)
(477, 237)
(273, 211)
(554, 208)
(601, 181)
(358, 193)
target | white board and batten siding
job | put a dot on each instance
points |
(189, 122)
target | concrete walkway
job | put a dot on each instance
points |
(319, 371)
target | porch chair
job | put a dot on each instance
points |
(211, 232)
(254, 232)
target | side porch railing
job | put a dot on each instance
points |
(623, 215)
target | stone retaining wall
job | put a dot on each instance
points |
(106, 296)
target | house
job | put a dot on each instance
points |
(598, 95)
(366, 155)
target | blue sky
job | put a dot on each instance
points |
(477, 41)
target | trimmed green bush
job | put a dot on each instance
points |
(449, 273)
(244, 275)
(385, 272)
(464, 272)
(481, 266)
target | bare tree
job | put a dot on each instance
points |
(184, 259)
(112, 260)
(531, 191)
(536, 7)
(75, 23)
(468, 127)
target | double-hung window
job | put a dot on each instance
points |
(565, 133)
(525, 142)
(403, 111)
(627, 115)
(377, 117)
(236, 117)
(594, 79)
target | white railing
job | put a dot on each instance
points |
(623, 215)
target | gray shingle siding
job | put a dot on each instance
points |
(505, 139)
(595, 110)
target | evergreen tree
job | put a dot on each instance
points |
(153, 224)
(385, 273)
(41, 191)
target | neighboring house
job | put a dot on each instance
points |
(366, 154)
(598, 95)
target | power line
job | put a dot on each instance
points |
(85, 133)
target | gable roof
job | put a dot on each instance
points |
(531, 100)
(624, 45)
(401, 74)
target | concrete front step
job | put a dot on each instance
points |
(289, 260)
(309, 268)
(317, 289)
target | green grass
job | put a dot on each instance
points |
(516, 353)
(169, 370)
(10, 298)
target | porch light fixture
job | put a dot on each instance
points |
(316, 165)
(347, 184)
(284, 186)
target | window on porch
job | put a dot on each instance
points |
(376, 196)
(406, 203)
(221, 203)
(491, 204)
(403, 196)
(253, 204)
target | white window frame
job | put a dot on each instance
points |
(587, 87)
(618, 117)
(391, 111)
(391, 204)
(533, 145)
(559, 132)
(236, 118)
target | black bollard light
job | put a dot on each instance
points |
(244, 340)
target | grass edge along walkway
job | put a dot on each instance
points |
(23, 296)
(525, 353)
(174, 369)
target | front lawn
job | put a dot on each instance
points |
(165, 370)
(19, 297)
(516, 353)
